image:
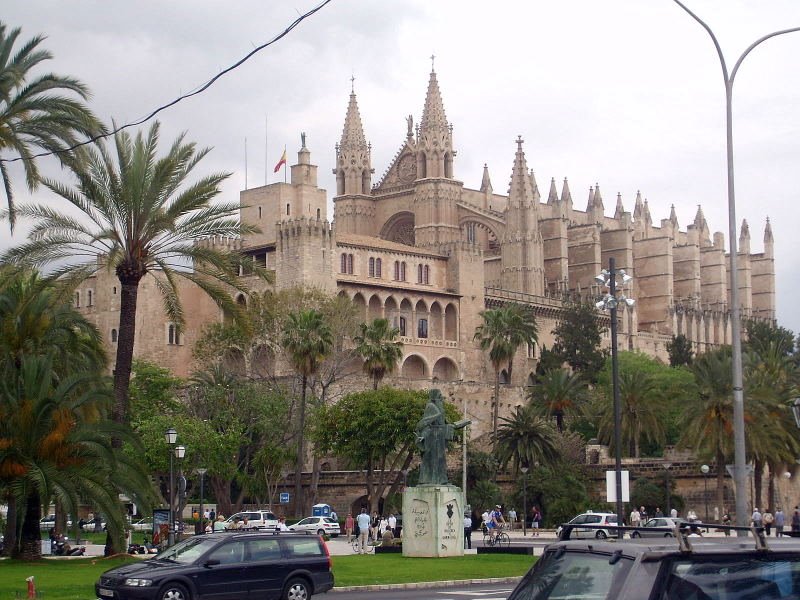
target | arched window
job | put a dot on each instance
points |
(77, 299)
(372, 267)
(422, 328)
(531, 350)
(349, 264)
(402, 271)
(259, 212)
(317, 214)
(426, 275)
(471, 233)
(343, 266)
(90, 298)
(113, 336)
(287, 209)
(115, 290)
(378, 267)
(419, 273)
(397, 270)
(173, 335)
(402, 327)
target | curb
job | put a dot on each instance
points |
(423, 585)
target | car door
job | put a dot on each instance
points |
(264, 568)
(591, 520)
(305, 524)
(577, 531)
(221, 573)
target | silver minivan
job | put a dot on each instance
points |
(256, 519)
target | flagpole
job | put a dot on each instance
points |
(285, 165)
(245, 163)
(266, 148)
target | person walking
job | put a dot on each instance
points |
(635, 518)
(512, 518)
(467, 531)
(535, 520)
(363, 522)
(348, 527)
(658, 512)
(767, 519)
(756, 519)
(780, 522)
(393, 525)
(796, 520)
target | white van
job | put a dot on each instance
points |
(256, 519)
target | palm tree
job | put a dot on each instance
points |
(491, 336)
(525, 439)
(140, 217)
(558, 393)
(307, 340)
(707, 422)
(55, 445)
(522, 330)
(640, 402)
(37, 113)
(378, 345)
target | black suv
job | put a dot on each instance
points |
(683, 568)
(222, 566)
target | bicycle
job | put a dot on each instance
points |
(371, 543)
(500, 539)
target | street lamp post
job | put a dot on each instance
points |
(704, 470)
(739, 470)
(611, 302)
(180, 452)
(524, 500)
(171, 436)
(666, 484)
(202, 473)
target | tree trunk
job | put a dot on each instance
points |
(10, 536)
(315, 469)
(125, 341)
(758, 475)
(771, 490)
(560, 421)
(30, 547)
(496, 407)
(221, 490)
(301, 453)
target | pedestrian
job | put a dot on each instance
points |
(796, 520)
(635, 518)
(642, 515)
(780, 522)
(363, 522)
(673, 513)
(374, 524)
(334, 516)
(485, 519)
(219, 524)
(348, 527)
(767, 519)
(512, 518)
(658, 512)
(467, 531)
(535, 520)
(756, 519)
(393, 524)
(726, 520)
(212, 516)
(206, 514)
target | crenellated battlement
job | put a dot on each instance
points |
(234, 244)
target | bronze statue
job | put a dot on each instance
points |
(433, 433)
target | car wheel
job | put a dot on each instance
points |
(600, 535)
(667, 535)
(320, 532)
(296, 589)
(174, 591)
(636, 534)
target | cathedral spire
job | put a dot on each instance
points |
(521, 192)
(552, 197)
(619, 210)
(598, 199)
(433, 116)
(536, 195)
(744, 238)
(768, 232)
(673, 217)
(566, 196)
(638, 208)
(434, 136)
(647, 218)
(353, 154)
(590, 201)
(486, 183)
(699, 218)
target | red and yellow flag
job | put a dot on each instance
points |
(281, 162)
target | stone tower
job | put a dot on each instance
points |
(436, 192)
(522, 246)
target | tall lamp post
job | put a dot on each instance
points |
(171, 436)
(524, 500)
(739, 471)
(666, 484)
(704, 470)
(611, 302)
(180, 452)
(202, 472)
(787, 476)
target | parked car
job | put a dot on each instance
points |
(90, 525)
(145, 524)
(682, 568)
(318, 525)
(256, 519)
(49, 522)
(657, 527)
(594, 519)
(226, 565)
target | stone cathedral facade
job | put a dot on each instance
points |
(419, 248)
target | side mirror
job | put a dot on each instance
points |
(211, 562)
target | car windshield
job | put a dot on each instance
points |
(329, 520)
(573, 575)
(187, 551)
(734, 577)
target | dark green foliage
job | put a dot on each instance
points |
(559, 492)
(484, 494)
(680, 351)
(578, 335)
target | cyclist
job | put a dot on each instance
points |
(496, 521)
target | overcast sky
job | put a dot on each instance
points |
(627, 93)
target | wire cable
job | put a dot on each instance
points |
(195, 92)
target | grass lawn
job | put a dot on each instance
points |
(73, 579)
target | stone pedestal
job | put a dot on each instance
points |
(433, 521)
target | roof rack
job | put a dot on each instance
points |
(682, 532)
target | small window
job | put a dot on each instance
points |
(397, 270)
(426, 274)
(343, 266)
(471, 233)
(287, 209)
(419, 273)
(378, 267)
(90, 298)
(77, 299)
(402, 326)
(114, 290)
(349, 264)
(317, 214)
(113, 336)
(402, 271)
(259, 212)
(422, 328)
(531, 350)
(372, 267)
(173, 335)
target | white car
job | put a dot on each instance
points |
(591, 518)
(256, 519)
(318, 525)
(49, 522)
(89, 525)
(145, 524)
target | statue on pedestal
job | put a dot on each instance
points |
(433, 433)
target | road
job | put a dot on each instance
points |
(498, 591)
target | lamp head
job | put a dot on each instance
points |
(601, 279)
(201, 471)
(705, 469)
(180, 451)
(630, 302)
(600, 305)
(523, 469)
(171, 436)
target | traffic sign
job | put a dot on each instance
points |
(284, 497)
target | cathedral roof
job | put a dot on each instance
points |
(433, 117)
(375, 243)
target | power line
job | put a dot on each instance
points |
(195, 92)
